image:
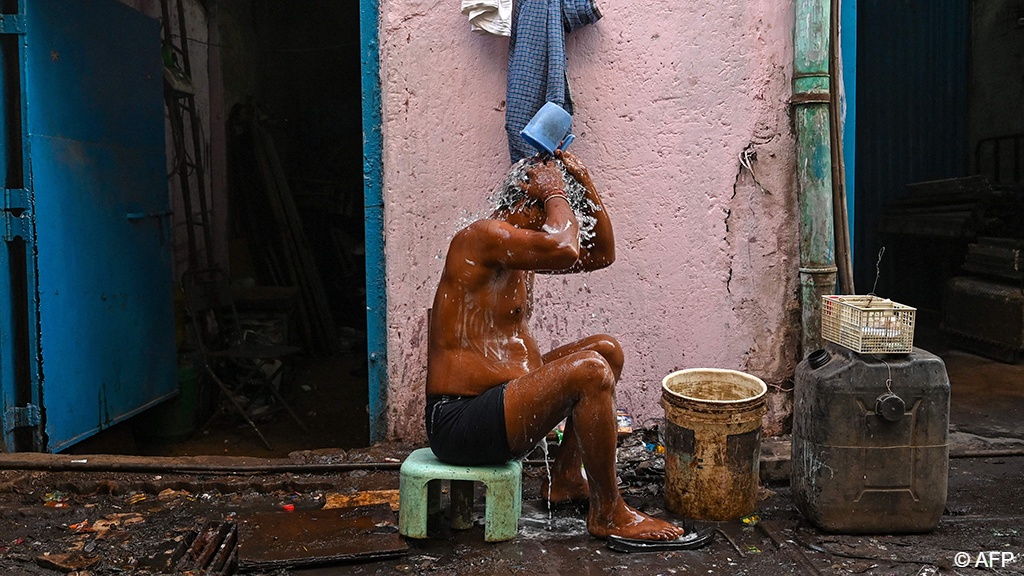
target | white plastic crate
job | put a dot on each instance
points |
(868, 324)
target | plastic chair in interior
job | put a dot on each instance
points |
(233, 358)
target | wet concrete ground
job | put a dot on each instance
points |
(124, 521)
(978, 521)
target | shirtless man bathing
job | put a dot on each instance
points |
(492, 395)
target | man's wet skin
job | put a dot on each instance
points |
(480, 338)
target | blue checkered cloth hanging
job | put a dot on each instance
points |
(536, 62)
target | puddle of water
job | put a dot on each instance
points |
(536, 526)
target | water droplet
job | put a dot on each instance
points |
(547, 468)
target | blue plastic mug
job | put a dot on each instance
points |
(549, 128)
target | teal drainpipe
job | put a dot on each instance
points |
(373, 206)
(814, 163)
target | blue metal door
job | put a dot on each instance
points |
(98, 344)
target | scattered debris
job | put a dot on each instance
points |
(641, 470)
(115, 521)
(99, 523)
(365, 498)
(731, 542)
(624, 421)
(319, 456)
(169, 494)
(212, 550)
(55, 499)
(69, 562)
(82, 526)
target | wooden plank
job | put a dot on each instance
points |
(315, 286)
(314, 295)
(287, 247)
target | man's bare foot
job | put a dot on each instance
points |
(628, 522)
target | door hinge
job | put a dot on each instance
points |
(21, 417)
(12, 23)
(15, 214)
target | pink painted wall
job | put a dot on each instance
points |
(670, 99)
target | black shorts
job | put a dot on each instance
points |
(469, 430)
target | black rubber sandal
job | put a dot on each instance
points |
(688, 541)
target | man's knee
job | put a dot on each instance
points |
(593, 370)
(610, 348)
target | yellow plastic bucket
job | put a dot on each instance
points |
(712, 442)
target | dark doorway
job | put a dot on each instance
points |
(292, 68)
(911, 127)
(939, 165)
(309, 81)
(305, 60)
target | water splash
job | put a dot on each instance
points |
(508, 194)
(547, 468)
(536, 526)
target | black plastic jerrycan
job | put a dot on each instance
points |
(871, 441)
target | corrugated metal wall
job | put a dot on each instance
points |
(911, 113)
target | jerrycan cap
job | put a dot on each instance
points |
(818, 358)
(890, 407)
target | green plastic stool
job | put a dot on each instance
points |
(420, 493)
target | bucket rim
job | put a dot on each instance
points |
(742, 375)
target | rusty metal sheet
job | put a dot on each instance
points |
(309, 537)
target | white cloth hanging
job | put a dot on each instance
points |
(489, 16)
